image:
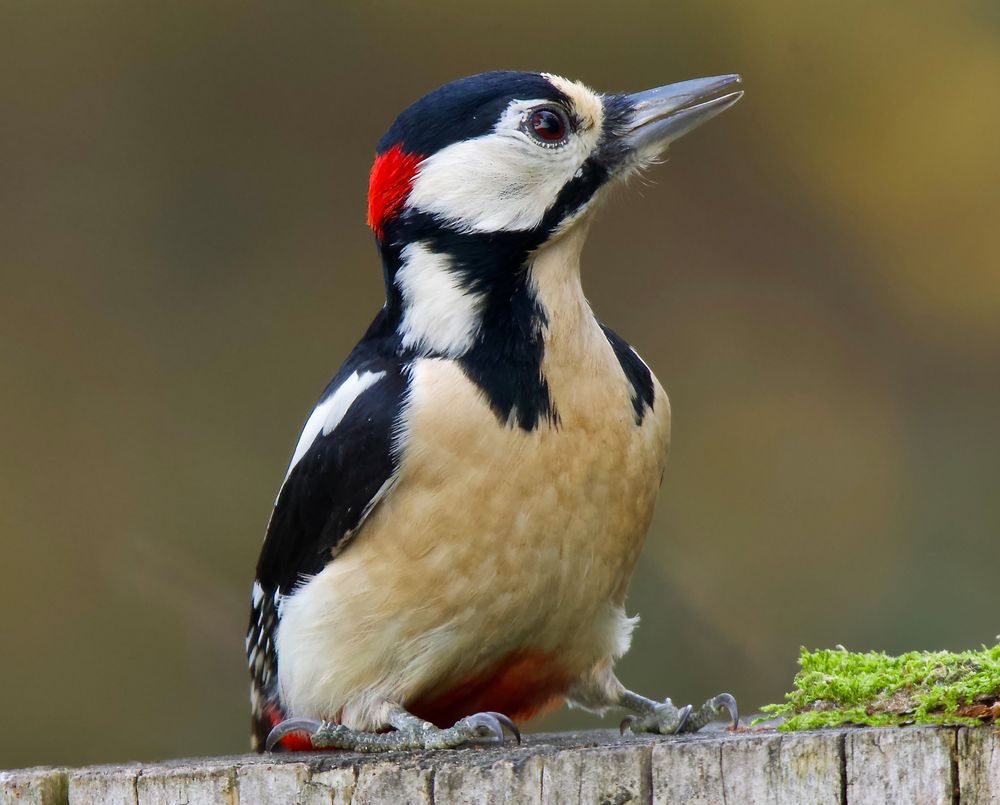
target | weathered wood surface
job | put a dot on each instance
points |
(912, 765)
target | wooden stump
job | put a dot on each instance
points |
(915, 764)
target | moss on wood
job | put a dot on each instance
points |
(836, 687)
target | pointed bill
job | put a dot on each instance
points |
(663, 114)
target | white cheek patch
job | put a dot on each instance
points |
(439, 315)
(328, 414)
(501, 182)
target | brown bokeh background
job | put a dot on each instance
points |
(814, 277)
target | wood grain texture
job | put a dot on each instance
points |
(857, 767)
(509, 780)
(40, 786)
(901, 765)
(114, 785)
(979, 766)
(772, 769)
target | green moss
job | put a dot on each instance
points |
(839, 687)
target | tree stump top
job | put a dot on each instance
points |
(916, 764)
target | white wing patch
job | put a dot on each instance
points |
(328, 414)
(438, 315)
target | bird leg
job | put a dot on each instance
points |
(600, 689)
(409, 732)
(664, 718)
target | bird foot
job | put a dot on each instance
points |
(666, 719)
(475, 729)
(718, 707)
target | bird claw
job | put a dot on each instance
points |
(328, 735)
(488, 725)
(285, 728)
(727, 702)
(718, 706)
(510, 725)
(666, 719)
(683, 716)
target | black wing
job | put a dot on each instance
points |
(337, 476)
(636, 372)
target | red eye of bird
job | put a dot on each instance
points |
(548, 125)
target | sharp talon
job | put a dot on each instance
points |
(626, 724)
(487, 721)
(287, 727)
(683, 713)
(506, 722)
(727, 702)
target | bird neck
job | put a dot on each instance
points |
(555, 282)
(447, 289)
(492, 302)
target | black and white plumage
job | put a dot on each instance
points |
(344, 462)
(463, 509)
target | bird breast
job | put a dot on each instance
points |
(494, 542)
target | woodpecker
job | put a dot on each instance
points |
(451, 548)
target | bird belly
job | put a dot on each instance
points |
(522, 685)
(494, 575)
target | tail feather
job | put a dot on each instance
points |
(262, 659)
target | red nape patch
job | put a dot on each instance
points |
(522, 685)
(390, 182)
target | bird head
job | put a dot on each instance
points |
(476, 177)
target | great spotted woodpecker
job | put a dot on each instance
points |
(460, 518)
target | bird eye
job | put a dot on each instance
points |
(548, 125)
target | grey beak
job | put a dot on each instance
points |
(661, 115)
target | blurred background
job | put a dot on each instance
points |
(814, 276)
